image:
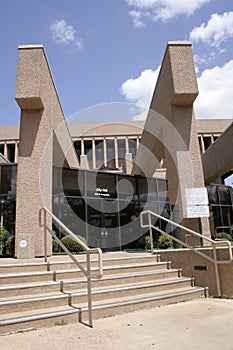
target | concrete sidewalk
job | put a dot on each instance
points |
(204, 324)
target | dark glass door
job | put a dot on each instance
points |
(102, 225)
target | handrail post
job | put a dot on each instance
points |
(45, 237)
(89, 293)
(151, 235)
(217, 271)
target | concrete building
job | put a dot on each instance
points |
(113, 138)
(140, 165)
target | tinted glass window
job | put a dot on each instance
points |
(213, 194)
(163, 191)
(121, 149)
(224, 195)
(133, 147)
(126, 187)
(101, 185)
(8, 179)
(72, 182)
(110, 149)
(148, 189)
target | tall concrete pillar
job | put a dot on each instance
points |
(5, 150)
(116, 153)
(128, 163)
(42, 125)
(126, 145)
(93, 154)
(82, 148)
(170, 131)
(105, 151)
(16, 152)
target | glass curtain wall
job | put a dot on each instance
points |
(8, 174)
(103, 207)
(221, 209)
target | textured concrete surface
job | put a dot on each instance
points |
(170, 132)
(204, 324)
(189, 262)
(42, 126)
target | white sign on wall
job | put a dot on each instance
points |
(197, 202)
(196, 196)
(102, 192)
(23, 243)
(198, 211)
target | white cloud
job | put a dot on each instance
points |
(206, 58)
(214, 99)
(142, 3)
(137, 18)
(63, 33)
(218, 29)
(140, 115)
(140, 89)
(79, 44)
(215, 92)
(163, 10)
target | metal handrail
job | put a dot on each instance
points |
(214, 244)
(89, 251)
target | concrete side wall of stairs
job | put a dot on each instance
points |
(203, 270)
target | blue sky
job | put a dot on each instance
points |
(103, 51)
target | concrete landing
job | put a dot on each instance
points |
(199, 324)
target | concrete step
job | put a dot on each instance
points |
(66, 264)
(112, 308)
(129, 304)
(78, 298)
(71, 314)
(23, 289)
(122, 279)
(66, 286)
(28, 277)
(19, 267)
(113, 269)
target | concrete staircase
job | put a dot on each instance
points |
(37, 294)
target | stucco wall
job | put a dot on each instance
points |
(188, 260)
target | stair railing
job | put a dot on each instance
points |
(44, 213)
(213, 243)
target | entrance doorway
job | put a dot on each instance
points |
(102, 225)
